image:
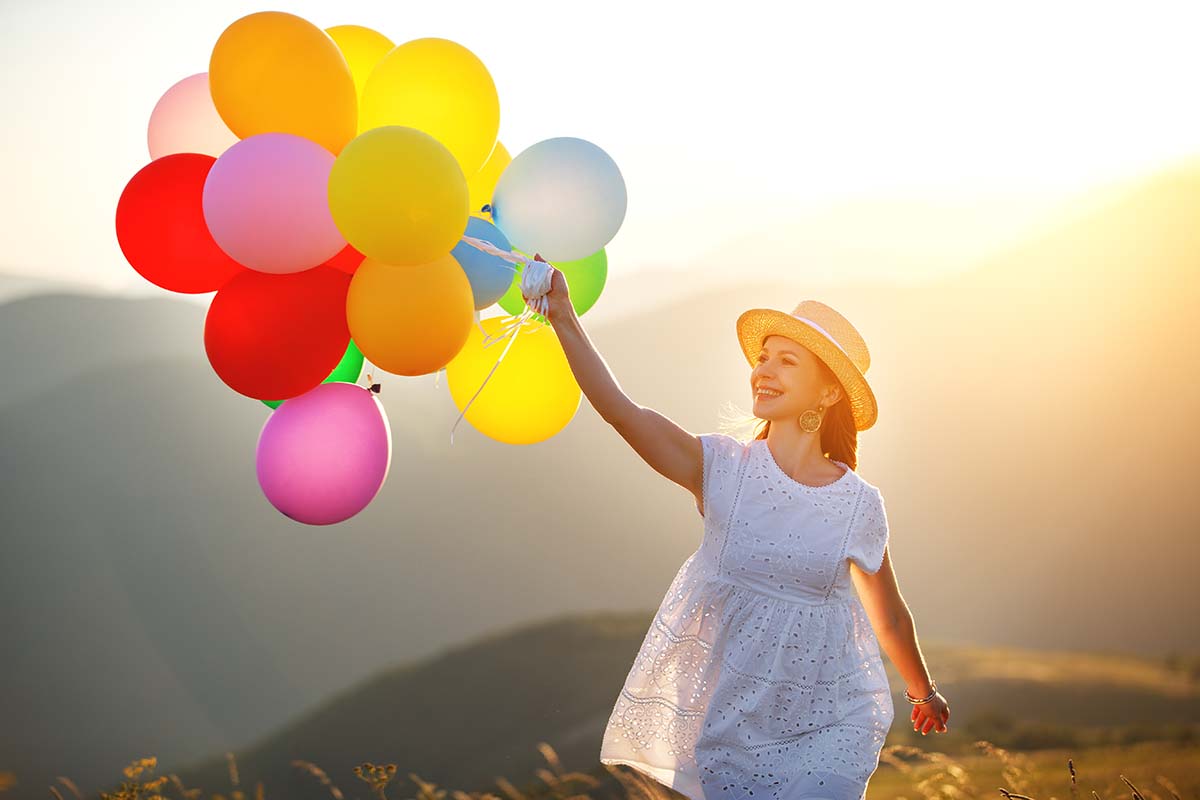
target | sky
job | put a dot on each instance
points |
(781, 136)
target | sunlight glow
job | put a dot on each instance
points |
(940, 130)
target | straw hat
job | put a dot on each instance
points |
(829, 336)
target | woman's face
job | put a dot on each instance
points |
(786, 366)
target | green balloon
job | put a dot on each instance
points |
(585, 279)
(347, 370)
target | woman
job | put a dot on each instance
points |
(760, 676)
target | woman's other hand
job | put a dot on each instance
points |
(932, 715)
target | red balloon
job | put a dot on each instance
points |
(272, 337)
(161, 229)
(348, 260)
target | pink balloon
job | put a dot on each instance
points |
(186, 121)
(266, 203)
(324, 455)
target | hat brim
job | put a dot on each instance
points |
(758, 323)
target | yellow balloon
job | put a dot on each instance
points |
(530, 397)
(275, 72)
(440, 87)
(362, 48)
(410, 320)
(483, 183)
(398, 196)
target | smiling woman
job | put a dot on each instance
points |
(790, 380)
(761, 673)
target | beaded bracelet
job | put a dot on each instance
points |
(916, 702)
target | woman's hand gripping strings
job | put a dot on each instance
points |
(555, 304)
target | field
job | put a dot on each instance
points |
(1142, 771)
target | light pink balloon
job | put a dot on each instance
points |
(266, 203)
(185, 121)
(323, 456)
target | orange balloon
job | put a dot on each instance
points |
(274, 72)
(410, 319)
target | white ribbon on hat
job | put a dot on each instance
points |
(822, 330)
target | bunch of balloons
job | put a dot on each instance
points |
(347, 198)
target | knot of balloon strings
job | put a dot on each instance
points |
(535, 284)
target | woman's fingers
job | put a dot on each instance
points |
(925, 719)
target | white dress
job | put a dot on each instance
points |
(760, 677)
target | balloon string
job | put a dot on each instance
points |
(535, 283)
(368, 370)
(488, 247)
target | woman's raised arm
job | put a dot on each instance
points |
(670, 450)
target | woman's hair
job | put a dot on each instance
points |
(839, 437)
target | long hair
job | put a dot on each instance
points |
(839, 437)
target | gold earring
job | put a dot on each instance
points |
(810, 421)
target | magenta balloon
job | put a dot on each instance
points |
(266, 203)
(324, 455)
(185, 121)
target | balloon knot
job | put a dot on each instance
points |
(487, 209)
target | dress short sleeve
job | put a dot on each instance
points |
(870, 535)
(720, 467)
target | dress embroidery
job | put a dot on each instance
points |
(760, 676)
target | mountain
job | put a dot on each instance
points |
(477, 712)
(14, 285)
(151, 597)
(1034, 446)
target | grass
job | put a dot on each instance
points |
(1141, 771)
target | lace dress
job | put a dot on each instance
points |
(760, 677)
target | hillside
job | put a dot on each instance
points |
(477, 712)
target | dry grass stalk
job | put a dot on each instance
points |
(233, 770)
(70, 784)
(561, 782)
(1167, 784)
(639, 786)
(510, 791)
(319, 774)
(377, 775)
(426, 790)
(1014, 768)
(134, 788)
(187, 794)
(1137, 795)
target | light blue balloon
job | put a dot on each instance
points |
(490, 275)
(563, 198)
